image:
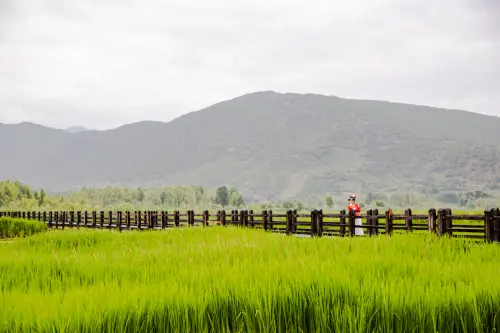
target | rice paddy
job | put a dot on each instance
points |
(242, 280)
(13, 227)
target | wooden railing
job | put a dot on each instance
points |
(315, 223)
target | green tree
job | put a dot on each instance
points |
(236, 199)
(163, 197)
(329, 201)
(41, 198)
(140, 194)
(222, 196)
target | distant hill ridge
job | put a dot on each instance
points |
(270, 146)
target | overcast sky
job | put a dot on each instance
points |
(103, 63)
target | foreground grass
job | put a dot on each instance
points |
(11, 227)
(234, 280)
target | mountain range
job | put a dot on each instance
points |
(271, 146)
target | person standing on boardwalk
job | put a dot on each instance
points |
(353, 206)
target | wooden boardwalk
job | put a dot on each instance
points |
(315, 223)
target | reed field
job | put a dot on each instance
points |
(230, 279)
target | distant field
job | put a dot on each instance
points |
(235, 280)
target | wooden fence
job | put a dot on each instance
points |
(315, 223)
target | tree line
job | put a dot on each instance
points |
(15, 195)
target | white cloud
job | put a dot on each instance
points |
(104, 63)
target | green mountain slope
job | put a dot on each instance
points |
(271, 146)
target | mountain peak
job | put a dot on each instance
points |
(76, 129)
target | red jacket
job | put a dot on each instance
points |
(355, 208)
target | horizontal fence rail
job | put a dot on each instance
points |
(315, 223)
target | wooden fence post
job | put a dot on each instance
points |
(408, 221)
(138, 219)
(431, 220)
(205, 218)
(119, 220)
(488, 225)
(223, 217)
(110, 219)
(449, 222)
(127, 219)
(288, 222)
(352, 218)
(441, 222)
(375, 222)
(252, 219)
(174, 218)
(264, 220)
(369, 214)
(236, 219)
(294, 221)
(496, 225)
(270, 220)
(319, 226)
(71, 218)
(342, 222)
(314, 223)
(242, 218)
(101, 218)
(388, 222)
(51, 219)
(78, 219)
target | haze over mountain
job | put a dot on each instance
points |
(75, 129)
(270, 146)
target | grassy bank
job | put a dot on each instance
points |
(11, 227)
(233, 280)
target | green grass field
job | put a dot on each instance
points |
(235, 280)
